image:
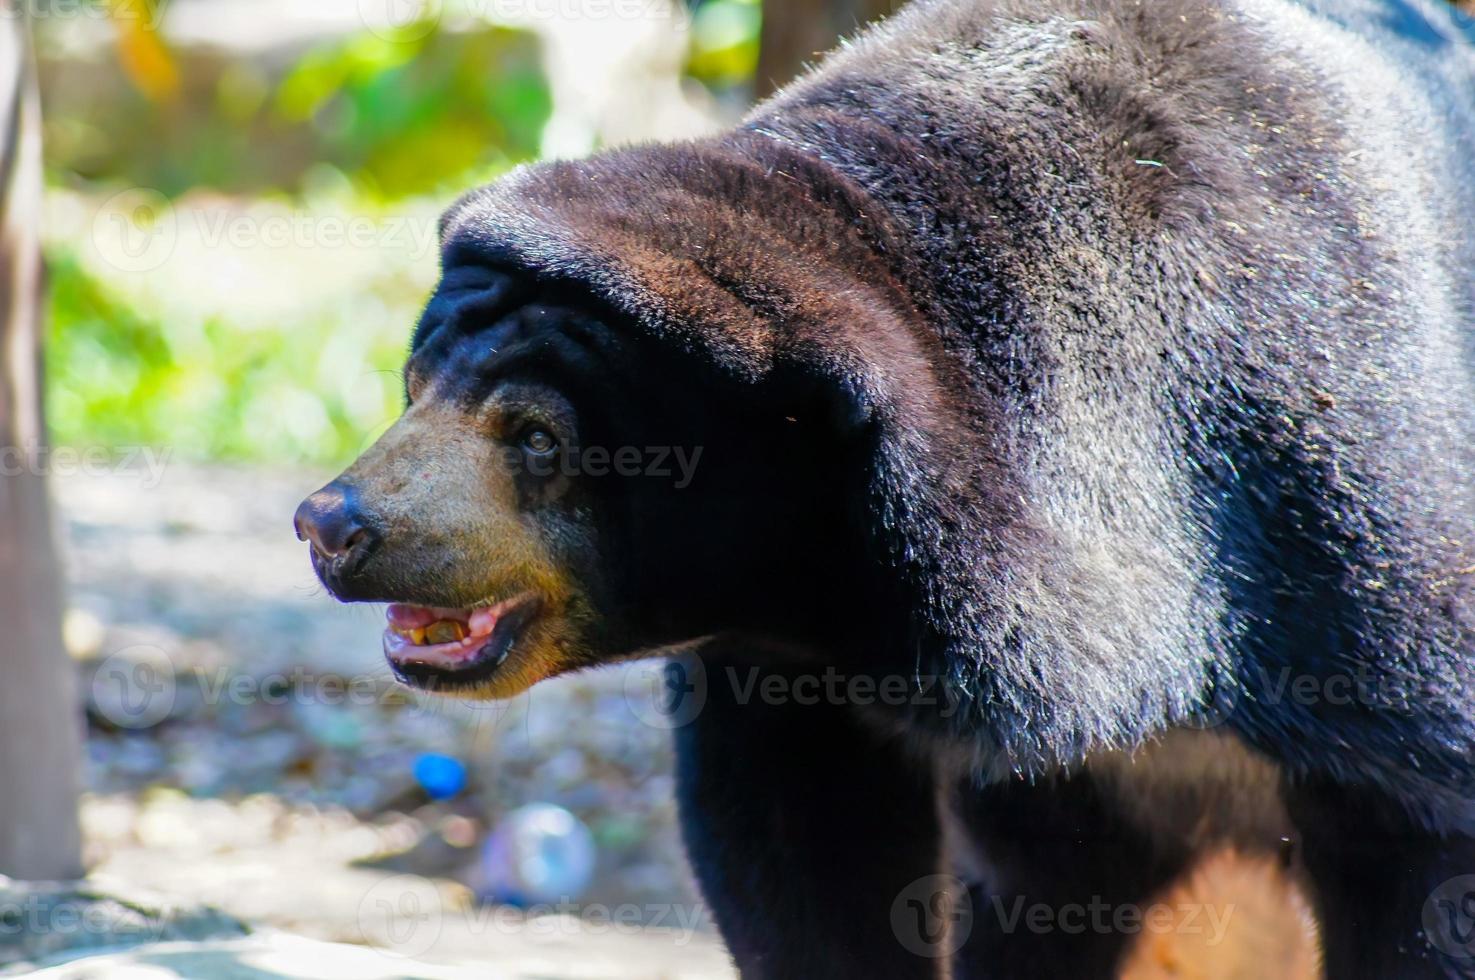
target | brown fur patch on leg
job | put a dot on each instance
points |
(1235, 917)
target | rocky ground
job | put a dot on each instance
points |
(248, 750)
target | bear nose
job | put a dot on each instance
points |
(330, 520)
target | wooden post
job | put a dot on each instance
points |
(40, 719)
(796, 32)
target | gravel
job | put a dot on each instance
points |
(247, 748)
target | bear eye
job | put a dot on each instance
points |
(539, 442)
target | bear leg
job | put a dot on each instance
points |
(1393, 899)
(804, 828)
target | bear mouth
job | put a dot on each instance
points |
(440, 648)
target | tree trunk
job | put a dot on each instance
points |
(40, 729)
(796, 32)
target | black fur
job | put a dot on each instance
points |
(1152, 326)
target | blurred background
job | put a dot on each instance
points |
(236, 202)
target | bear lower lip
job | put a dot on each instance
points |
(492, 631)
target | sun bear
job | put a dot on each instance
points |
(1079, 398)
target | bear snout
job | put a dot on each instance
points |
(340, 537)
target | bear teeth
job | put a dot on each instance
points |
(445, 631)
(436, 633)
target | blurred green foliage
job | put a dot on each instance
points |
(406, 117)
(379, 118)
(376, 123)
(211, 389)
(400, 115)
(724, 42)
